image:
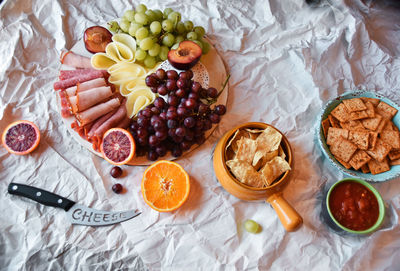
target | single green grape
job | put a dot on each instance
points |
(163, 55)
(168, 40)
(113, 26)
(174, 16)
(192, 36)
(167, 11)
(150, 15)
(146, 43)
(206, 47)
(199, 44)
(179, 39)
(188, 26)
(155, 50)
(155, 27)
(141, 8)
(141, 18)
(129, 15)
(167, 25)
(199, 30)
(159, 14)
(140, 54)
(133, 28)
(175, 46)
(180, 28)
(149, 62)
(142, 33)
(125, 24)
(251, 226)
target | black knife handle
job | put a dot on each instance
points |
(40, 195)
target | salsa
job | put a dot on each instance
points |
(354, 206)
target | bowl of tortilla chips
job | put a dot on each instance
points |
(358, 132)
(253, 162)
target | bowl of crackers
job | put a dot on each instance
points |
(253, 162)
(359, 133)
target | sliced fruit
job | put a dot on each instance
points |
(21, 137)
(96, 39)
(118, 146)
(165, 186)
(185, 56)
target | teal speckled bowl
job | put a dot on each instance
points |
(394, 171)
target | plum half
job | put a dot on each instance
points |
(96, 39)
(185, 56)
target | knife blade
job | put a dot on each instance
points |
(76, 213)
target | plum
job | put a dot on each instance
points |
(185, 56)
(96, 39)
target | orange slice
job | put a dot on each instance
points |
(21, 137)
(118, 146)
(165, 186)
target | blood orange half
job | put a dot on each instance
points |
(21, 137)
(118, 146)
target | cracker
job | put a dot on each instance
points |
(360, 138)
(372, 123)
(325, 126)
(334, 134)
(246, 150)
(386, 110)
(377, 167)
(343, 149)
(365, 168)
(245, 173)
(346, 165)
(352, 125)
(340, 112)
(274, 168)
(380, 151)
(372, 140)
(359, 159)
(394, 162)
(355, 104)
(373, 101)
(370, 109)
(334, 121)
(394, 154)
(381, 125)
(391, 137)
(356, 115)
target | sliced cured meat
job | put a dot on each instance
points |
(73, 81)
(65, 108)
(97, 123)
(66, 74)
(74, 60)
(124, 123)
(98, 82)
(97, 111)
(113, 121)
(81, 130)
(86, 99)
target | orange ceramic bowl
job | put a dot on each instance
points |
(290, 219)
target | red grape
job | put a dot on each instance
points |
(117, 188)
(212, 92)
(116, 172)
(171, 85)
(161, 74)
(162, 90)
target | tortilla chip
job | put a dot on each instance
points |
(345, 164)
(233, 141)
(377, 167)
(394, 154)
(355, 104)
(352, 125)
(373, 101)
(274, 168)
(245, 173)
(260, 158)
(370, 109)
(359, 159)
(380, 151)
(253, 133)
(334, 121)
(386, 110)
(395, 162)
(343, 149)
(269, 140)
(360, 138)
(358, 115)
(372, 140)
(365, 168)
(391, 137)
(282, 153)
(372, 123)
(325, 126)
(246, 150)
(334, 134)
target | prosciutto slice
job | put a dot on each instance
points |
(113, 121)
(66, 74)
(73, 81)
(65, 111)
(74, 60)
(86, 99)
(124, 123)
(97, 123)
(97, 111)
(98, 82)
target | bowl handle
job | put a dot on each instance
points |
(289, 217)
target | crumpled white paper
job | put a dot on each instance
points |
(286, 59)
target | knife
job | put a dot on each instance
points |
(76, 213)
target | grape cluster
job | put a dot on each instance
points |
(156, 32)
(178, 120)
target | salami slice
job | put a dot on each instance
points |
(66, 74)
(77, 79)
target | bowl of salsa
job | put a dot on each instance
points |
(355, 206)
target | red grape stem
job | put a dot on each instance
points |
(214, 100)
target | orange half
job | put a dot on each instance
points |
(165, 186)
(118, 146)
(15, 134)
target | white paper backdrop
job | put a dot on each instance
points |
(286, 59)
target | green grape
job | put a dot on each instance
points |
(180, 28)
(167, 25)
(158, 14)
(206, 47)
(199, 30)
(188, 26)
(174, 16)
(199, 44)
(141, 33)
(140, 54)
(179, 39)
(149, 62)
(129, 15)
(113, 26)
(133, 28)
(124, 24)
(141, 18)
(191, 36)
(155, 50)
(163, 53)
(155, 27)
(251, 226)
(167, 11)
(146, 43)
(151, 15)
(141, 8)
(168, 40)
(175, 46)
